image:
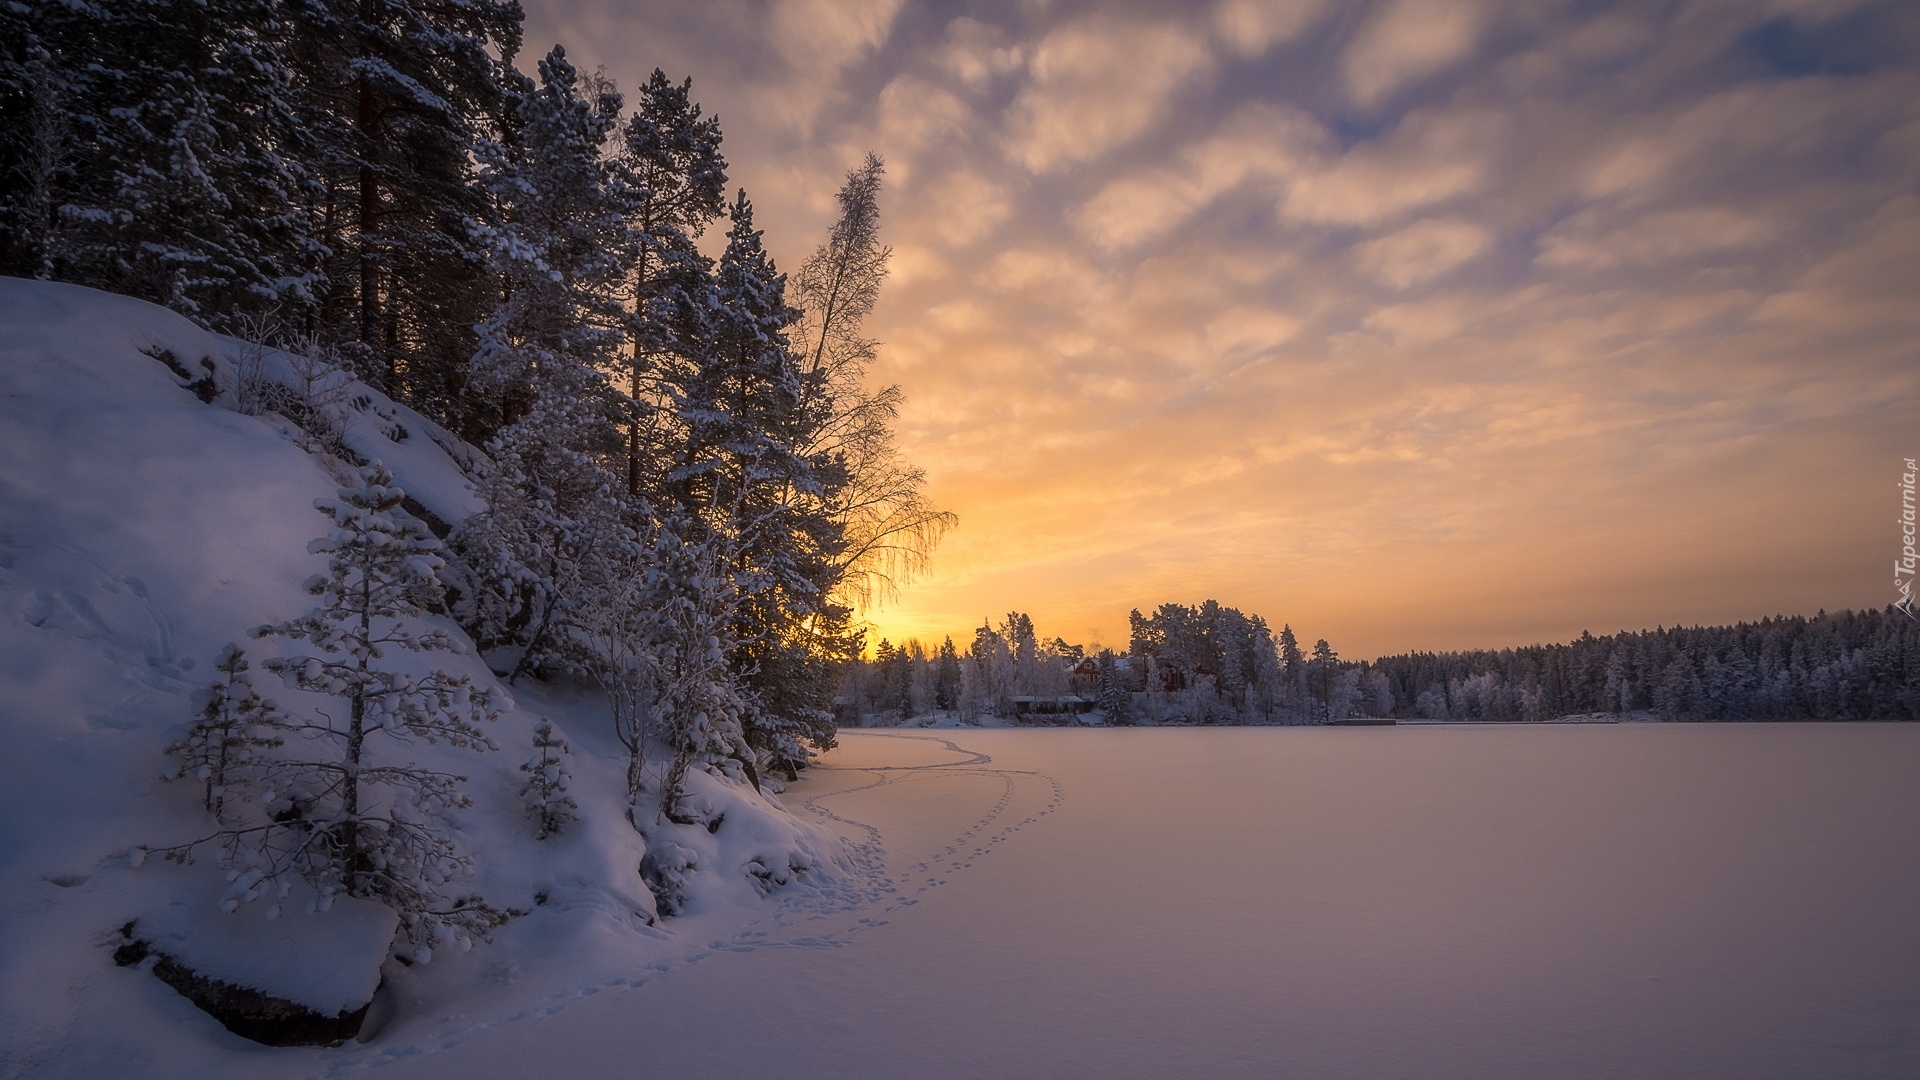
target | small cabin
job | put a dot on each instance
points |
(1063, 705)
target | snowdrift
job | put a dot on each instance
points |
(144, 524)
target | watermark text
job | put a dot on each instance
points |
(1903, 567)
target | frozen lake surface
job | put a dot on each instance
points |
(1737, 901)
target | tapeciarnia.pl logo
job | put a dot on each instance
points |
(1903, 566)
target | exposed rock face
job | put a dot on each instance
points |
(246, 1012)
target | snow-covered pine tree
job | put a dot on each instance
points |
(903, 681)
(737, 404)
(1266, 674)
(34, 150)
(555, 526)
(176, 172)
(990, 663)
(395, 94)
(1024, 645)
(234, 726)
(1293, 673)
(1324, 670)
(946, 677)
(1228, 636)
(549, 775)
(697, 708)
(670, 156)
(559, 243)
(377, 831)
(1115, 701)
(330, 810)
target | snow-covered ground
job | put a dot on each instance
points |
(1705, 901)
(142, 528)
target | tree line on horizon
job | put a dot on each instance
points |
(1205, 664)
(1211, 664)
(1845, 665)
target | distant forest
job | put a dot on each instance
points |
(1843, 666)
(1215, 665)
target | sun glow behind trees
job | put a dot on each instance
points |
(1431, 326)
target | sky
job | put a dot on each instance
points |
(1413, 324)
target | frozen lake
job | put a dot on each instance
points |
(1737, 901)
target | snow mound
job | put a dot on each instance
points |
(145, 523)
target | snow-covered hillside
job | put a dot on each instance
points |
(142, 528)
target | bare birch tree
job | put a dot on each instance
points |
(890, 529)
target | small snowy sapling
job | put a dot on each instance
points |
(222, 746)
(548, 777)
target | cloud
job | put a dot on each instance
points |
(1430, 158)
(1740, 136)
(914, 114)
(977, 53)
(1424, 324)
(1095, 84)
(1408, 40)
(1258, 142)
(1422, 251)
(826, 35)
(817, 41)
(1588, 243)
(962, 207)
(1251, 27)
(1247, 331)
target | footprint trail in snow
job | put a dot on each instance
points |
(829, 915)
(870, 851)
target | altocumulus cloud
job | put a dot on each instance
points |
(1419, 323)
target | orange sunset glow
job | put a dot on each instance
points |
(1416, 324)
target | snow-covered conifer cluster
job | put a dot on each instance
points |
(1214, 665)
(515, 255)
(1209, 664)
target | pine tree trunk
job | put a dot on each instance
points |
(367, 122)
(633, 381)
(356, 868)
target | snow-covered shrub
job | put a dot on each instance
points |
(548, 776)
(770, 872)
(668, 869)
(311, 387)
(253, 391)
(1376, 694)
(1343, 699)
(251, 384)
